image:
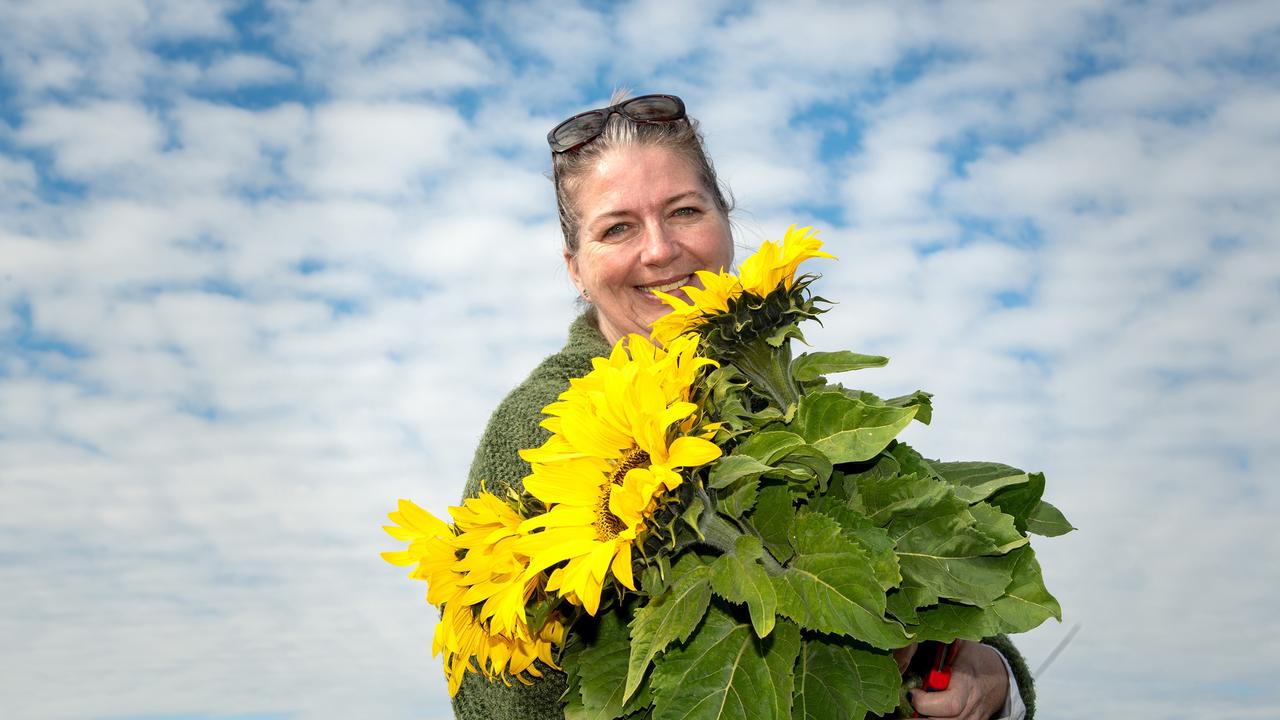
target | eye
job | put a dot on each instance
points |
(615, 230)
(686, 212)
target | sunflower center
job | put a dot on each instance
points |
(607, 524)
(634, 458)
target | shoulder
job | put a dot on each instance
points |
(515, 423)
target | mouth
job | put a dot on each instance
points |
(669, 286)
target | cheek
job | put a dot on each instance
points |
(719, 249)
(606, 272)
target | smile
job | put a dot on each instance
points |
(667, 287)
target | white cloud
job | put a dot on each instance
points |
(377, 149)
(242, 69)
(17, 181)
(233, 332)
(894, 176)
(95, 141)
(191, 19)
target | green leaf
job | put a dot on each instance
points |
(949, 621)
(601, 668)
(727, 673)
(734, 467)
(881, 552)
(845, 429)
(740, 578)
(1027, 603)
(906, 599)
(1048, 521)
(885, 498)
(939, 548)
(740, 498)
(1020, 500)
(912, 462)
(976, 481)
(921, 400)
(769, 445)
(830, 586)
(668, 618)
(839, 680)
(997, 526)
(774, 516)
(856, 527)
(806, 468)
(811, 366)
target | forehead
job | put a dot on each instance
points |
(630, 175)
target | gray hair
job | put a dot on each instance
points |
(568, 169)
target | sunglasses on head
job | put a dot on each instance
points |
(585, 127)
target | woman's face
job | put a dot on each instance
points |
(647, 223)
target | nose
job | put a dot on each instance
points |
(660, 245)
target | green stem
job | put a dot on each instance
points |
(769, 368)
(721, 534)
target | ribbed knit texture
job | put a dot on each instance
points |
(514, 426)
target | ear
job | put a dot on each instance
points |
(571, 264)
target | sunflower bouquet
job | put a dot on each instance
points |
(714, 529)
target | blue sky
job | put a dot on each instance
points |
(266, 267)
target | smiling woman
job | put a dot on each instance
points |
(642, 212)
(647, 225)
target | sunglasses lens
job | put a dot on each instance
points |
(577, 130)
(651, 108)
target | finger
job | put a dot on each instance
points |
(944, 704)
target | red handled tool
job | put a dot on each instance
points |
(939, 674)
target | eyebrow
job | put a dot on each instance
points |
(698, 194)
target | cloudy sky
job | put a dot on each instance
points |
(266, 266)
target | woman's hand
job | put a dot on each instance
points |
(979, 684)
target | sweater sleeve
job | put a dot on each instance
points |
(497, 466)
(1021, 673)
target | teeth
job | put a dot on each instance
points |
(668, 287)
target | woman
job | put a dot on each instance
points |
(641, 211)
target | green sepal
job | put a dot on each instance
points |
(693, 510)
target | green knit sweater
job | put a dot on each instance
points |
(515, 426)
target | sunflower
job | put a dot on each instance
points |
(482, 586)
(465, 643)
(771, 267)
(620, 437)
(431, 549)
(775, 264)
